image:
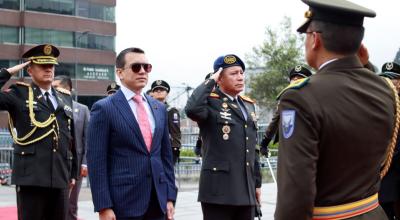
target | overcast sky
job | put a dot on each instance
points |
(182, 38)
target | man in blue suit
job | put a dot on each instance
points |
(129, 153)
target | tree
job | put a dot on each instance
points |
(269, 64)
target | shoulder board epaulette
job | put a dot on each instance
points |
(297, 84)
(213, 95)
(23, 84)
(64, 91)
(247, 99)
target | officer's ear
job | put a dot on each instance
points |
(119, 73)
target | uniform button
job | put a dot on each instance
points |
(247, 163)
(70, 158)
(245, 126)
(22, 153)
(54, 150)
(247, 138)
(247, 150)
(215, 169)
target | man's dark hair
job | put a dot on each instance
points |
(64, 81)
(120, 61)
(340, 39)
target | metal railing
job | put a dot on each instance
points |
(187, 170)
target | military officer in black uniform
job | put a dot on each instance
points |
(160, 90)
(112, 88)
(329, 158)
(389, 193)
(41, 124)
(230, 177)
(295, 74)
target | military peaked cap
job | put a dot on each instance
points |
(42, 54)
(335, 11)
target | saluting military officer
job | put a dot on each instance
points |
(295, 75)
(230, 180)
(160, 90)
(389, 193)
(329, 158)
(41, 124)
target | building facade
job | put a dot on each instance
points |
(83, 30)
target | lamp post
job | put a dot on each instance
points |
(76, 61)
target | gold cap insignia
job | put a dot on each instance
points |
(113, 85)
(389, 66)
(47, 50)
(297, 68)
(158, 82)
(230, 60)
(308, 14)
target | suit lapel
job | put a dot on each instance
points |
(123, 107)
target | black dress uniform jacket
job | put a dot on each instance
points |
(51, 161)
(230, 171)
(175, 135)
(343, 123)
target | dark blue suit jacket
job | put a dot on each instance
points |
(121, 169)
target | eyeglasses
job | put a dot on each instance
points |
(136, 67)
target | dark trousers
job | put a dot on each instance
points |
(73, 200)
(153, 212)
(175, 154)
(41, 203)
(227, 212)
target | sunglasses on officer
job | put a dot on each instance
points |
(136, 67)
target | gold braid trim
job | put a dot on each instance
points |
(392, 144)
(37, 124)
(32, 114)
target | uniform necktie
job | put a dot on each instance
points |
(242, 108)
(51, 106)
(143, 121)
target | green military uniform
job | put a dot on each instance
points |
(230, 172)
(335, 129)
(44, 152)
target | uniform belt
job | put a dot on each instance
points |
(346, 210)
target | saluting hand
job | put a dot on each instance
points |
(215, 76)
(15, 69)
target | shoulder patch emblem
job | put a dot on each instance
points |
(213, 95)
(288, 120)
(64, 91)
(247, 99)
(297, 84)
(23, 84)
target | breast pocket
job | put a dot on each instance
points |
(24, 158)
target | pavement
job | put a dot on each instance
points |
(187, 207)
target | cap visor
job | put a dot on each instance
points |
(304, 26)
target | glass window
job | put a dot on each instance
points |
(8, 63)
(66, 69)
(87, 9)
(65, 7)
(9, 4)
(9, 34)
(94, 41)
(44, 36)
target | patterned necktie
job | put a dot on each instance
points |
(242, 108)
(143, 120)
(51, 106)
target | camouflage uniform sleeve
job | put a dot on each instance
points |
(297, 159)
